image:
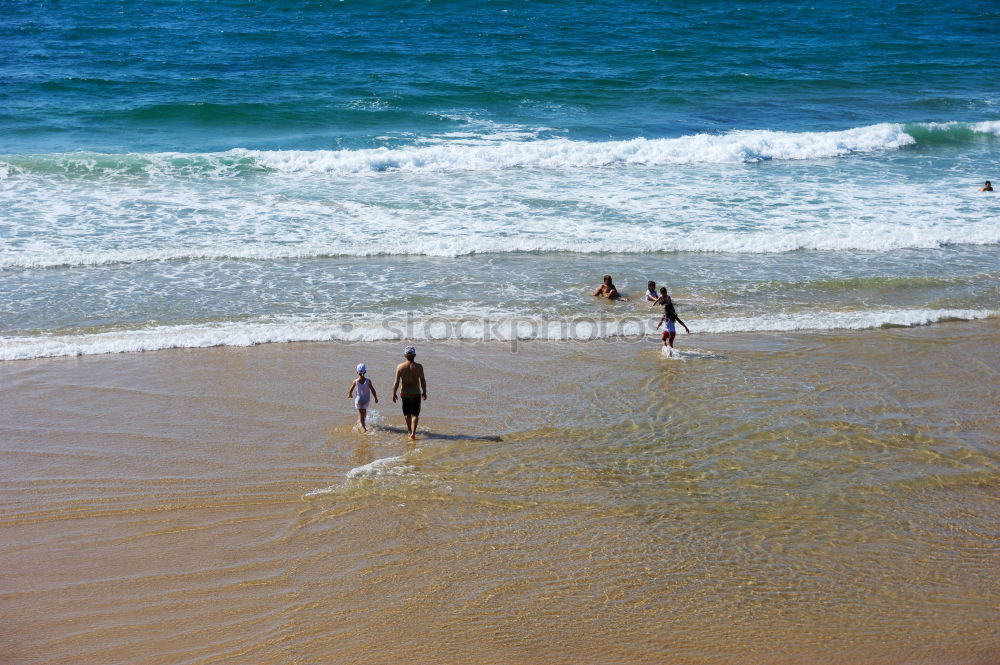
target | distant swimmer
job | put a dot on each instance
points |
(988, 187)
(668, 320)
(412, 388)
(651, 294)
(365, 391)
(609, 290)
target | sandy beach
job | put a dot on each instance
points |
(770, 498)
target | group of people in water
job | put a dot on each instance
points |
(410, 385)
(669, 320)
(410, 374)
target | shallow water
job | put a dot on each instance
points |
(114, 308)
(812, 498)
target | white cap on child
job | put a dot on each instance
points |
(362, 369)
(409, 351)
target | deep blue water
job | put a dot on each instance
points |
(209, 76)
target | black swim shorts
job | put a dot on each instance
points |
(411, 405)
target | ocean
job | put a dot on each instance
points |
(238, 173)
(194, 191)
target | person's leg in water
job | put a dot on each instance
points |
(413, 432)
(362, 413)
(669, 332)
(408, 418)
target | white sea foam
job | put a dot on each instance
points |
(76, 223)
(109, 227)
(744, 146)
(857, 320)
(323, 491)
(384, 467)
(990, 127)
(438, 328)
(380, 468)
(854, 237)
(489, 147)
(722, 243)
(687, 353)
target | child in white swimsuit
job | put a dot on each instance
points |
(365, 392)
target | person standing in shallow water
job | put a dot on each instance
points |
(365, 392)
(668, 320)
(412, 388)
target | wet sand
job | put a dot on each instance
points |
(806, 498)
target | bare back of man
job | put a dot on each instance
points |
(410, 374)
(412, 387)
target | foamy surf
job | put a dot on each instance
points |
(385, 467)
(89, 217)
(496, 329)
(856, 320)
(380, 468)
(499, 150)
(738, 147)
(446, 242)
(686, 353)
(374, 421)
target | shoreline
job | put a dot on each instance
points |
(624, 326)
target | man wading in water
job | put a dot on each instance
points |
(414, 388)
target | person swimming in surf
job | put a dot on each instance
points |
(608, 290)
(412, 388)
(668, 320)
(365, 391)
(988, 187)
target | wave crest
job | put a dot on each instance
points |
(745, 146)
(735, 147)
(495, 329)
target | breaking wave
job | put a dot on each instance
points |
(471, 329)
(450, 154)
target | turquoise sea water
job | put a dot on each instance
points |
(241, 172)
(204, 77)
